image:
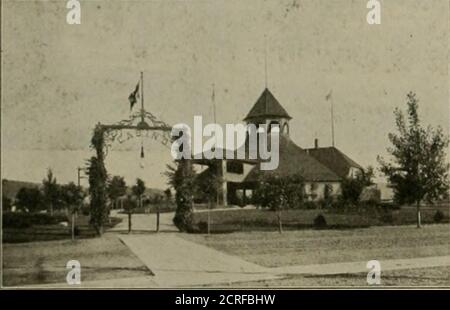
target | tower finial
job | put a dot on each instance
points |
(265, 60)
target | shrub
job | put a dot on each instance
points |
(24, 220)
(438, 216)
(85, 210)
(320, 221)
(387, 218)
(203, 226)
(310, 205)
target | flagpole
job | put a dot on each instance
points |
(142, 97)
(265, 61)
(215, 122)
(332, 121)
(213, 102)
(142, 112)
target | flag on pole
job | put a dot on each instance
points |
(328, 97)
(132, 98)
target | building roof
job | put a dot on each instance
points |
(267, 106)
(334, 159)
(295, 160)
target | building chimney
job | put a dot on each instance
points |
(316, 143)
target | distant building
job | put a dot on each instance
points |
(317, 166)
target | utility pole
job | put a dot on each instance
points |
(329, 97)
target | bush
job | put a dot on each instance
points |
(438, 216)
(320, 221)
(203, 226)
(387, 218)
(23, 220)
(76, 231)
(85, 210)
(309, 205)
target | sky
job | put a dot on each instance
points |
(59, 80)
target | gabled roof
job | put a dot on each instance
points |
(267, 106)
(295, 160)
(334, 159)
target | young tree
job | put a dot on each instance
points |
(29, 199)
(138, 190)
(418, 170)
(210, 184)
(352, 187)
(51, 191)
(72, 196)
(279, 193)
(116, 188)
(168, 195)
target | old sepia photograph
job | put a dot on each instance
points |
(225, 144)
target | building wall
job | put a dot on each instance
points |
(234, 177)
(320, 189)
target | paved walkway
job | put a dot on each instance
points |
(180, 263)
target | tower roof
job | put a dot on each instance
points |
(267, 106)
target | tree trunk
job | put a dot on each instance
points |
(157, 218)
(419, 220)
(99, 230)
(73, 226)
(280, 224)
(129, 222)
(209, 216)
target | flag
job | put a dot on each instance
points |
(328, 97)
(132, 98)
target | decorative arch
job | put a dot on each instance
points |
(140, 124)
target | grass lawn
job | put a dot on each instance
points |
(309, 246)
(437, 276)
(227, 221)
(45, 262)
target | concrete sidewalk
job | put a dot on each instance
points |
(180, 263)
